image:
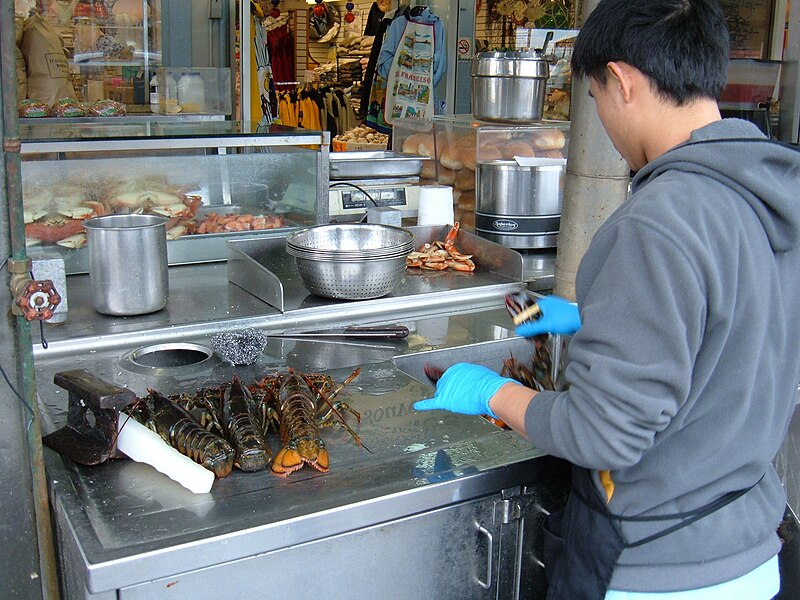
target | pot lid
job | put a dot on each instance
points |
(510, 63)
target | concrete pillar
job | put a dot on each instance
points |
(596, 183)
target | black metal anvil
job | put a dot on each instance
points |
(89, 439)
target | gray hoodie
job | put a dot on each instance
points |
(684, 375)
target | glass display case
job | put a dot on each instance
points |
(514, 204)
(213, 180)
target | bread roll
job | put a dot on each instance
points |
(548, 139)
(446, 176)
(549, 154)
(465, 180)
(466, 139)
(466, 201)
(412, 142)
(516, 148)
(496, 138)
(426, 145)
(428, 169)
(468, 157)
(466, 150)
(467, 219)
(450, 158)
(490, 153)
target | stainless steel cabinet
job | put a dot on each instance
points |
(448, 554)
(481, 549)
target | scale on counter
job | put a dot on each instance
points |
(359, 180)
(353, 198)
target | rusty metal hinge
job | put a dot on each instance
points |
(12, 145)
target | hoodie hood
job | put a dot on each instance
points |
(426, 16)
(736, 153)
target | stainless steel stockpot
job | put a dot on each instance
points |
(128, 263)
(519, 206)
(509, 86)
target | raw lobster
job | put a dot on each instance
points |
(300, 416)
(242, 428)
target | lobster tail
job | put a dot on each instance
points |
(242, 429)
(181, 430)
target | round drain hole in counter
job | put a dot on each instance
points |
(170, 355)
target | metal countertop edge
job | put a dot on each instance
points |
(361, 313)
(149, 566)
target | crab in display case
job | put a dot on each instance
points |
(54, 213)
(55, 216)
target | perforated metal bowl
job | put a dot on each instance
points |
(356, 240)
(351, 279)
(351, 261)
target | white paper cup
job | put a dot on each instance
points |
(435, 205)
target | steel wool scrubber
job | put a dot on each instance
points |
(239, 347)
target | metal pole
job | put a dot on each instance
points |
(27, 558)
(790, 79)
(596, 183)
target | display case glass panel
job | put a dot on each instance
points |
(112, 47)
(461, 144)
(211, 181)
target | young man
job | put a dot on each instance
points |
(684, 364)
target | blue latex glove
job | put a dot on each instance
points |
(465, 388)
(558, 316)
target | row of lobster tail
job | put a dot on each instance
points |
(226, 426)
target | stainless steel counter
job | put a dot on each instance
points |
(538, 269)
(126, 531)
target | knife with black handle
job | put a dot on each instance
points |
(382, 332)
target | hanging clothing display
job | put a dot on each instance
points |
(372, 64)
(410, 63)
(264, 82)
(318, 108)
(280, 42)
(288, 109)
(424, 44)
(374, 19)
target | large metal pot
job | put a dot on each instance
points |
(519, 206)
(128, 263)
(509, 86)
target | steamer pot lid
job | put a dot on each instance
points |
(510, 63)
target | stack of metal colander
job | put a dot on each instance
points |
(351, 261)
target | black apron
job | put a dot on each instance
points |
(582, 543)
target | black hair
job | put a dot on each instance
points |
(680, 45)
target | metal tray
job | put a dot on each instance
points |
(374, 165)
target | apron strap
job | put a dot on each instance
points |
(688, 517)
